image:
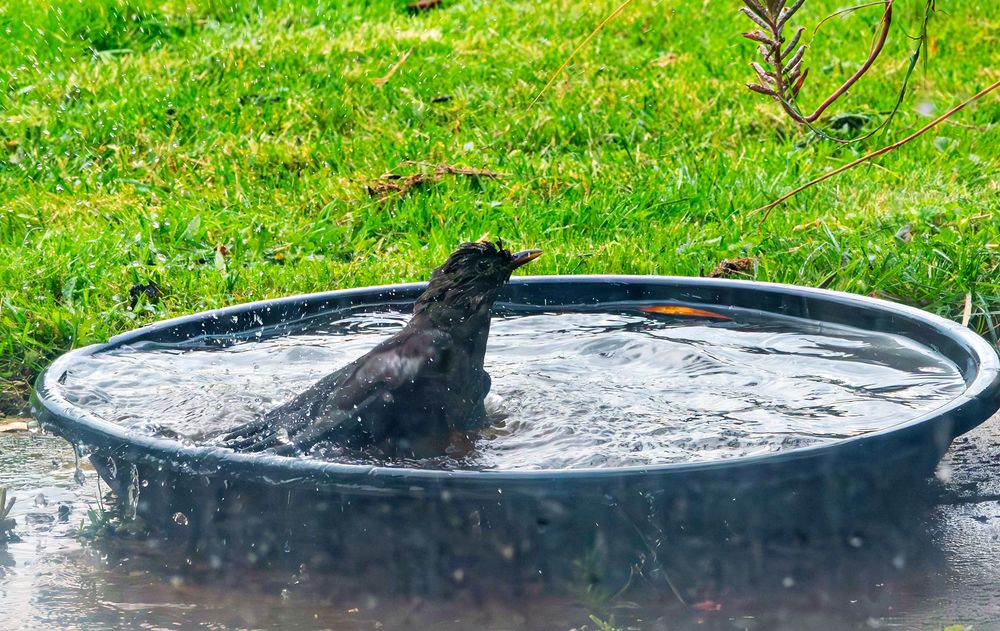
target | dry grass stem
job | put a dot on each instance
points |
(381, 81)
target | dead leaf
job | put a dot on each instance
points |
(394, 184)
(725, 268)
(423, 5)
(667, 60)
(707, 605)
(14, 425)
(683, 311)
(801, 80)
(905, 233)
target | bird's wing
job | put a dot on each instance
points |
(343, 395)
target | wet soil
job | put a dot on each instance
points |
(51, 578)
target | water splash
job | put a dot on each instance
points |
(570, 390)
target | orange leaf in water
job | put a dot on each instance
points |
(683, 311)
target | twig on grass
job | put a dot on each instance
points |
(381, 81)
(392, 184)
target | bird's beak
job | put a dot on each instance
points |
(524, 257)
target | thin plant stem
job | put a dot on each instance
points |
(873, 54)
(766, 209)
(600, 27)
(843, 12)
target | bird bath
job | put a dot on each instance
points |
(666, 443)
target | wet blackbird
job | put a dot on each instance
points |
(410, 392)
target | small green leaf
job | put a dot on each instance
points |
(67, 290)
(191, 232)
(220, 263)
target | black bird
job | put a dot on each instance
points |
(407, 395)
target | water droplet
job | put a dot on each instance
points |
(943, 472)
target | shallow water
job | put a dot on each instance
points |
(570, 390)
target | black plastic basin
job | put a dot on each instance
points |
(423, 526)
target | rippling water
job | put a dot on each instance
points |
(570, 390)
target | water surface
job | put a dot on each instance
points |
(570, 390)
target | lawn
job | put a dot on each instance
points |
(228, 154)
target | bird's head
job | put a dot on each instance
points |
(471, 278)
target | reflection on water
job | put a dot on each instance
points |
(574, 389)
(934, 569)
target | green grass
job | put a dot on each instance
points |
(137, 137)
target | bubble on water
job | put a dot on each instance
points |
(180, 519)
